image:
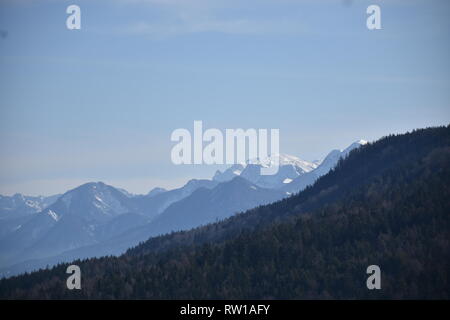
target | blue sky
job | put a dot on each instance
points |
(100, 103)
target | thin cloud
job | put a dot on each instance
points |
(233, 26)
(182, 17)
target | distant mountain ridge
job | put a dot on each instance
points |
(327, 164)
(18, 204)
(16, 210)
(95, 219)
(290, 167)
(385, 203)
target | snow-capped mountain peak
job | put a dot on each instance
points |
(94, 200)
(284, 159)
(290, 167)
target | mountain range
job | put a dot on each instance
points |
(384, 204)
(96, 219)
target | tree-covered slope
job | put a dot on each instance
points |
(387, 204)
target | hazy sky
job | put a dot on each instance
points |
(100, 103)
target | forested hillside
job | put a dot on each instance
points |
(386, 204)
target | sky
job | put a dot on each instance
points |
(100, 103)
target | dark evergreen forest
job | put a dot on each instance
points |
(387, 204)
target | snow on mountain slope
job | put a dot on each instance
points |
(85, 216)
(68, 223)
(20, 205)
(16, 210)
(290, 167)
